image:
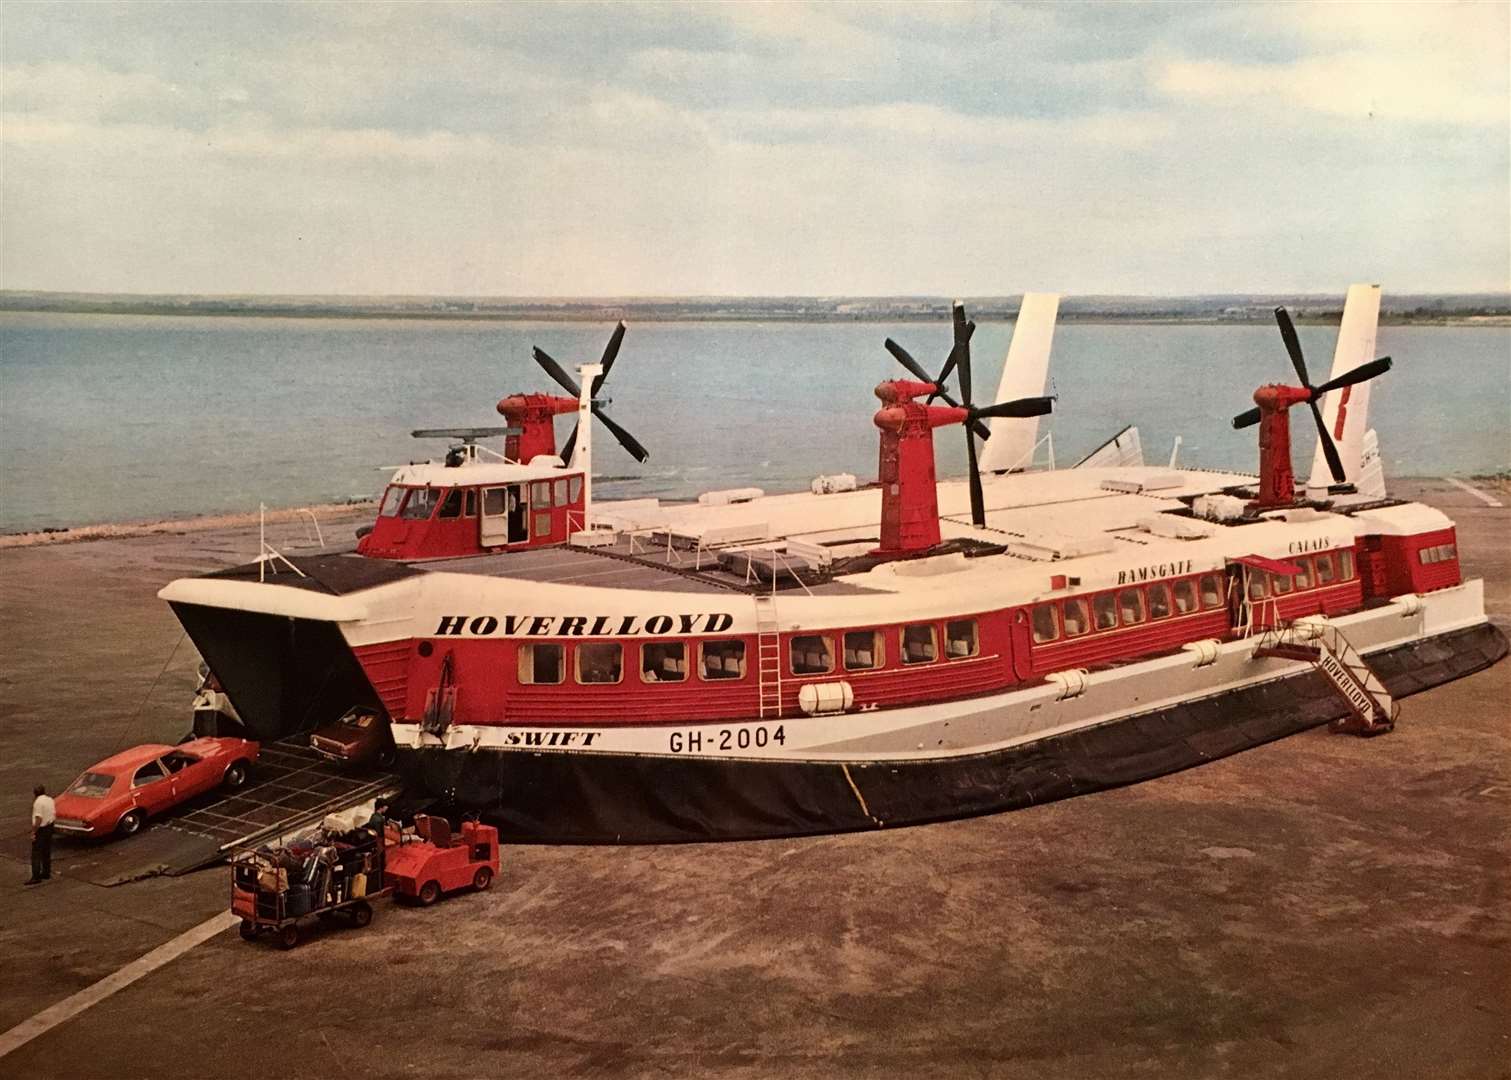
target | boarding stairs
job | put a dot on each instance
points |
(1371, 709)
(768, 655)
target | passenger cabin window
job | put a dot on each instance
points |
(918, 644)
(147, 774)
(392, 498)
(1185, 597)
(961, 639)
(811, 654)
(1159, 601)
(471, 510)
(1046, 626)
(1280, 583)
(1211, 591)
(1345, 565)
(722, 659)
(574, 488)
(1131, 604)
(451, 506)
(1304, 579)
(1077, 618)
(540, 495)
(1437, 553)
(541, 665)
(864, 650)
(663, 661)
(1325, 573)
(1257, 590)
(600, 662)
(1105, 609)
(420, 504)
(560, 487)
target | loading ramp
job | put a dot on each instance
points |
(290, 787)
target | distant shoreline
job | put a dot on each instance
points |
(1488, 309)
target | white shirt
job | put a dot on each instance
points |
(42, 811)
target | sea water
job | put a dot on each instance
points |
(121, 418)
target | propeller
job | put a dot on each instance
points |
(960, 360)
(569, 384)
(1348, 378)
(905, 358)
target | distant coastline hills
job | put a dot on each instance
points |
(1465, 308)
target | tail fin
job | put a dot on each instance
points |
(1025, 373)
(1120, 451)
(1346, 412)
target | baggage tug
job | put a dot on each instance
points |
(912, 651)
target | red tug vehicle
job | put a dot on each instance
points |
(436, 862)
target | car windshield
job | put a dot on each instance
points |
(92, 785)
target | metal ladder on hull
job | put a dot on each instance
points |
(1371, 709)
(768, 656)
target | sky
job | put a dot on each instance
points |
(754, 149)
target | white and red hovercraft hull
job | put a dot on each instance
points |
(1003, 723)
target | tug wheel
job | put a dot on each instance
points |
(430, 892)
(288, 937)
(483, 878)
(130, 823)
(362, 914)
(248, 930)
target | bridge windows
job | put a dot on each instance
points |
(721, 660)
(1077, 617)
(1104, 610)
(392, 499)
(560, 487)
(1159, 601)
(864, 650)
(451, 505)
(811, 654)
(1046, 627)
(663, 661)
(600, 662)
(541, 665)
(574, 489)
(471, 510)
(420, 504)
(962, 640)
(919, 644)
(540, 495)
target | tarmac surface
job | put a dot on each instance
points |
(1321, 906)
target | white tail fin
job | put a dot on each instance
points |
(1346, 412)
(1025, 373)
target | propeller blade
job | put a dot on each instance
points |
(1022, 407)
(905, 358)
(963, 364)
(1292, 344)
(553, 369)
(978, 500)
(610, 354)
(568, 446)
(952, 361)
(1357, 375)
(1329, 449)
(1246, 419)
(626, 440)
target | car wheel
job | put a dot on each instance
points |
(430, 892)
(362, 914)
(483, 878)
(131, 823)
(288, 937)
(385, 758)
(236, 775)
(248, 930)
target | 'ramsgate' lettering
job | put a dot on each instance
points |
(586, 625)
(1150, 573)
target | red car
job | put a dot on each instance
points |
(120, 793)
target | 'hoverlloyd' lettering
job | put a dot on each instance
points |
(583, 625)
(1150, 573)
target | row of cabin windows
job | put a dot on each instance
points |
(598, 662)
(1437, 553)
(419, 504)
(1126, 607)
(1315, 571)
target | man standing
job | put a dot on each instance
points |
(42, 817)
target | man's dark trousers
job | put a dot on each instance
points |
(41, 853)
